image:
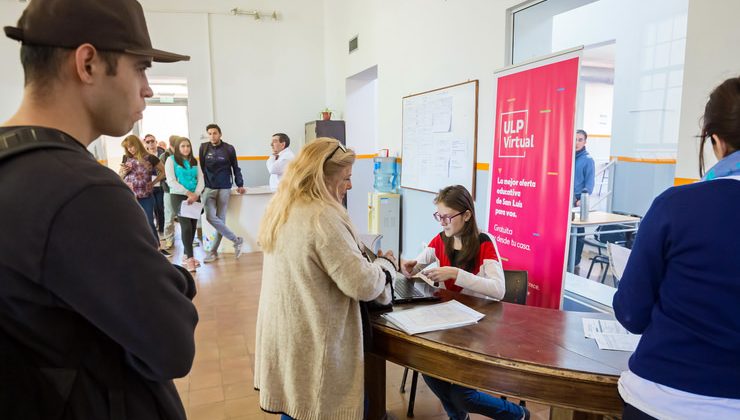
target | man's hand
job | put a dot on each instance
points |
(441, 274)
(241, 190)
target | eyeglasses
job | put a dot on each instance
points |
(446, 219)
(339, 146)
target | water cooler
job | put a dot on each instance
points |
(384, 205)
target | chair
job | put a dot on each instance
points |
(516, 292)
(601, 239)
(618, 255)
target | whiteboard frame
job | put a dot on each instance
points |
(472, 185)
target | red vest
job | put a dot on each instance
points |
(486, 252)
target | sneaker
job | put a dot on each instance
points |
(238, 247)
(189, 265)
(165, 252)
(210, 257)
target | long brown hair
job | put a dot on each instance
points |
(459, 199)
(722, 117)
(133, 140)
(179, 157)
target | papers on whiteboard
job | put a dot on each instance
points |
(427, 318)
(191, 211)
(610, 335)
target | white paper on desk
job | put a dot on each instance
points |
(191, 211)
(442, 316)
(619, 342)
(592, 326)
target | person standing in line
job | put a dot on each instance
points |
(583, 181)
(186, 185)
(94, 321)
(278, 161)
(218, 162)
(681, 286)
(150, 143)
(136, 170)
(169, 216)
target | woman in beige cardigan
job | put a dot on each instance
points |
(309, 348)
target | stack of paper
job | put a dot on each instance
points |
(427, 318)
(610, 335)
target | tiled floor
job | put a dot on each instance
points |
(220, 385)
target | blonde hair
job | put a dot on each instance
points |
(133, 140)
(305, 181)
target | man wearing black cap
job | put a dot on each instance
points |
(94, 322)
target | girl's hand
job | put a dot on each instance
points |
(192, 198)
(441, 274)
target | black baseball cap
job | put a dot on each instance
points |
(109, 25)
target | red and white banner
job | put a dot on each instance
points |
(531, 172)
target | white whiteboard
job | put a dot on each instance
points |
(439, 134)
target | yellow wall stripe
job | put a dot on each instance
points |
(252, 157)
(482, 166)
(642, 160)
(683, 181)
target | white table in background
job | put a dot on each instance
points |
(243, 217)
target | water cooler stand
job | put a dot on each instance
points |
(384, 218)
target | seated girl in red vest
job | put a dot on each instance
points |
(468, 263)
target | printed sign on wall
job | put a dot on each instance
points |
(531, 173)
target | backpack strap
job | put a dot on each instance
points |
(24, 139)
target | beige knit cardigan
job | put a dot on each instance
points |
(308, 350)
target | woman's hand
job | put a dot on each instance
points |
(192, 197)
(125, 169)
(441, 274)
(407, 267)
(389, 256)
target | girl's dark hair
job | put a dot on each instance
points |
(722, 117)
(179, 158)
(458, 198)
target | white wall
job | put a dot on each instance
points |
(417, 45)
(712, 41)
(11, 72)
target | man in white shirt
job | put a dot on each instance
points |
(281, 155)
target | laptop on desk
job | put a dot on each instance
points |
(417, 289)
(412, 290)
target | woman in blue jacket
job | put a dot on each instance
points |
(681, 286)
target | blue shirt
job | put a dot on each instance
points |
(218, 162)
(681, 290)
(583, 177)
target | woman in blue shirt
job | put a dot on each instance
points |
(185, 180)
(681, 286)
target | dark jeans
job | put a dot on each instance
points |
(187, 226)
(458, 401)
(147, 204)
(632, 413)
(158, 195)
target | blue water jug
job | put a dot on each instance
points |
(385, 172)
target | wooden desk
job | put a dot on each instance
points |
(597, 218)
(530, 353)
